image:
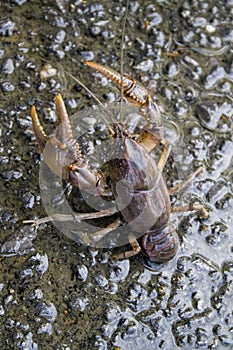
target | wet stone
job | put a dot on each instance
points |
(25, 274)
(101, 281)
(119, 271)
(46, 310)
(96, 7)
(216, 75)
(6, 27)
(94, 30)
(19, 243)
(7, 217)
(29, 200)
(7, 86)
(8, 66)
(39, 262)
(30, 65)
(210, 28)
(145, 66)
(23, 122)
(210, 115)
(59, 53)
(171, 69)
(35, 294)
(11, 174)
(47, 72)
(72, 103)
(25, 85)
(60, 37)
(79, 304)
(2, 312)
(159, 37)
(28, 343)
(19, 2)
(46, 328)
(87, 55)
(82, 272)
(42, 86)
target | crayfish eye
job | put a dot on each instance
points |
(108, 181)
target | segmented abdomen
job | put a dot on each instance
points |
(161, 245)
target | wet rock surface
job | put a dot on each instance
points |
(58, 294)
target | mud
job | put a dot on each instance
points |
(58, 294)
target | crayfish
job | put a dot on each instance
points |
(141, 197)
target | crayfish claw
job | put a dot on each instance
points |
(136, 93)
(64, 133)
(38, 129)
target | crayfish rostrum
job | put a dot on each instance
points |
(141, 197)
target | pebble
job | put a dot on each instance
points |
(210, 29)
(8, 66)
(46, 310)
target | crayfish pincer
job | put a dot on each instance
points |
(134, 179)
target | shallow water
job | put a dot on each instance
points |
(58, 294)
